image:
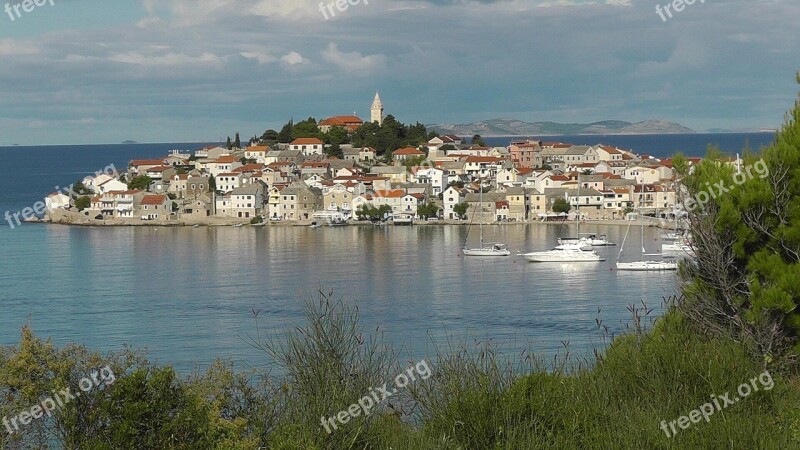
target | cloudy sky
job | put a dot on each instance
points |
(92, 71)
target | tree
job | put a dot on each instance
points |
(447, 147)
(478, 140)
(212, 184)
(429, 210)
(237, 143)
(561, 205)
(461, 209)
(140, 183)
(746, 231)
(228, 143)
(587, 172)
(285, 136)
(82, 203)
(270, 136)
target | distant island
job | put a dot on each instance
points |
(513, 127)
(129, 142)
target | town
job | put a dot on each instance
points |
(446, 179)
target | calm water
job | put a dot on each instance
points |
(187, 294)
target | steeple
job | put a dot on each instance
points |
(377, 110)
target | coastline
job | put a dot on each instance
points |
(71, 218)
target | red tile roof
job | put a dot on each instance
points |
(407, 151)
(307, 141)
(147, 162)
(154, 199)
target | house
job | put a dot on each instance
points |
(210, 152)
(396, 174)
(315, 167)
(607, 153)
(111, 185)
(518, 204)
(350, 123)
(513, 176)
(56, 200)
(527, 154)
(160, 173)
(248, 201)
(200, 206)
(257, 153)
(406, 153)
(307, 146)
(226, 182)
(295, 202)
(410, 203)
(152, 207)
(338, 198)
(140, 166)
(392, 197)
(451, 197)
(483, 208)
(223, 164)
(537, 203)
(643, 174)
(482, 166)
(431, 176)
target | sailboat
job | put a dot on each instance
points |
(643, 266)
(489, 249)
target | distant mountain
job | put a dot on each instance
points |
(129, 142)
(512, 127)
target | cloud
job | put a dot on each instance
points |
(354, 62)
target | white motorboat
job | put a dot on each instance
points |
(679, 248)
(647, 266)
(563, 253)
(494, 249)
(488, 250)
(599, 241)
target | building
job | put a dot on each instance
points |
(376, 114)
(350, 123)
(406, 153)
(307, 146)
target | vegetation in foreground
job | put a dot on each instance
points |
(738, 317)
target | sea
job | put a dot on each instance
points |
(190, 296)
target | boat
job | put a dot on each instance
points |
(403, 219)
(197, 225)
(643, 266)
(485, 249)
(599, 241)
(563, 253)
(314, 225)
(238, 225)
(678, 248)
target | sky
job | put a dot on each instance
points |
(91, 71)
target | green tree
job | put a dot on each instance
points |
(237, 143)
(270, 136)
(82, 203)
(228, 143)
(447, 147)
(428, 210)
(141, 183)
(561, 205)
(212, 184)
(461, 209)
(478, 140)
(285, 135)
(746, 231)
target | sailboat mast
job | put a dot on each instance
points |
(480, 186)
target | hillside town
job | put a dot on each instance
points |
(447, 178)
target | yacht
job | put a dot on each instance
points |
(564, 253)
